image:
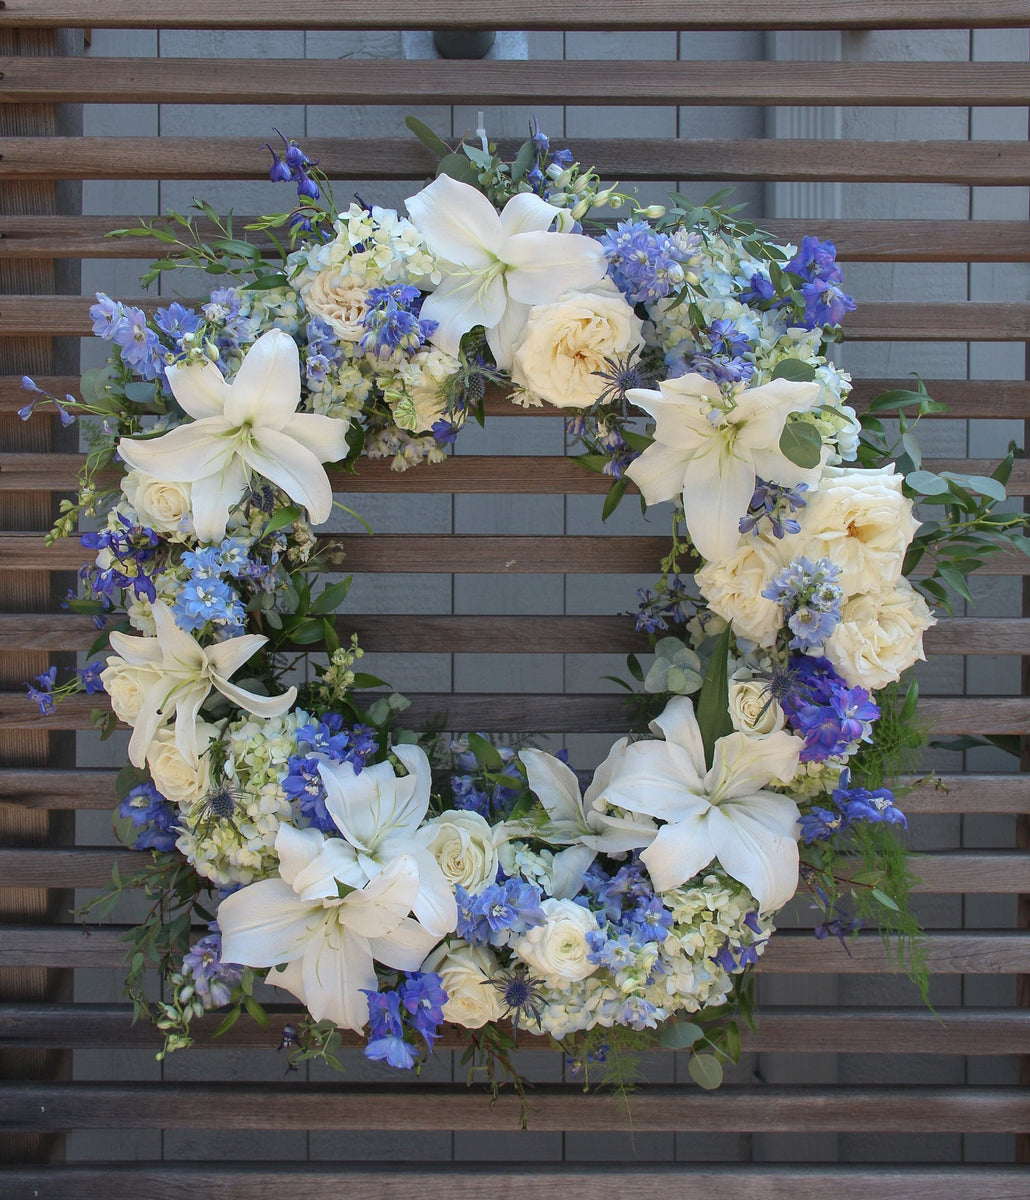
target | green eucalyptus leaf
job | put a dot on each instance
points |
(680, 1035)
(926, 483)
(330, 600)
(706, 1071)
(486, 753)
(427, 137)
(801, 443)
(458, 167)
(140, 393)
(794, 369)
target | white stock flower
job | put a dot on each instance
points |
(174, 676)
(722, 812)
(880, 634)
(712, 454)
(495, 265)
(465, 972)
(558, 950)
(465, 845)
(564, 345)
(248, 425)
(327, 941)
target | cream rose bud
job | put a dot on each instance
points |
(860, 520)
(465, 846)
(164, 507)
(124, 687)
(753, 709)
(557, 950)
(173, 776)
(465, 973)
(564, 343)
(880, 634)
(336, 297)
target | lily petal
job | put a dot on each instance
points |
(200, 389)
(292, 467)
(260, 706)
(214, 497)
(717, 491)
(743, 765)
(225, 658)
(543, 266)
(325, 437)
(266, 389)
(527, 213)
(184, 454)
(457, 221)
(659, 472)
(555, 785)
(296, 849)
(404, 948)
(765, 862)
(679, 851)
(461, 302)
(678, 723)
(335, 976)
(265, 924)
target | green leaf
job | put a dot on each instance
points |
(908, 707)
(985, 485)
(615, 494)
(635, 669)
(427, 137)
(256, 1011)
(485, 752)
(458, 167)
(482, 158)
(956, 580)
(636, 441)
(285, 516)
(706, 1071)
(592, 462)
(801, 443)
(266, 282)
(140, 393)
(240, 248)
(231, 1018)
(128, 778)
(885, 900)
(363, 679)
(524, 161)
(331, 599)
(713, 704)
(795, 370)
(680, 1035)
(926, 483)
(307, 633)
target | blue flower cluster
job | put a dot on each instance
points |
(325, 351)
(646, 265)
(415, 1007)
(810, 599)
(850, 807)
(769, 503)
(212, 979)
(223, 312)
(207, 596)
(152, 815)
(657, 611)
(724, 361)
(820, 706)
(549, 163)
(500, 913)
(392, 322)
(472, 792)
(132, 547)
(816, 263)
(292, 165)
(140, 345)
(26, 411)
(745, 956)
(324, 741)
(40, 695)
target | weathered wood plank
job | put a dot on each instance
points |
(782, 160)
(983, 873)
(789, 953)
(518, 14)
(856, 241)
(793, 1030)
(550, 1106)
(378, 81)
(445, 1181)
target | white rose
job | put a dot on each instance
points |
(335, 297)
(753, 709)
(466, 972)
(564, 343)
(558, 949)
(465, 846)
(163, 506)
(880, 634)
(125, 685)
(173, 776)
(733, 589)
(861, 522)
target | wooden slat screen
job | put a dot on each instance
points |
(849, 1085)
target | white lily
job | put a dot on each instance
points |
(378, 814)
(328, 933)
(496, 266)
(720, 813)
(713, 453)
(248, 425)
(175, 676)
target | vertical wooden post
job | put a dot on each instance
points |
(31, 591)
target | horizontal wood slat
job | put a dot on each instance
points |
(789, 953)
(794, 1030)
(445, 1181)
(381, 81)
(417, 633)
(517, 14)
(982, 873)
(94, 789)
(981, 398)
(874, 321)
(301, 1105)
(462, 474)
(856, 241)
(432, 554)
(803, 159)
(546, 712)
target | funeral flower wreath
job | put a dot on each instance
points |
(389, 881)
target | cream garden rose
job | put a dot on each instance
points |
(753, 710)
(124, 685)
(566, 342)
(880, 634)
(164, 507)
(465, 973)
(465, 846)
(337, 298)
(175, 778)
(733, 589)
(557, 950)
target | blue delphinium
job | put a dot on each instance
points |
(824, 302)
(724, 361)
(423, 997)
(415, 1007)
(386, 1031)
(152, 815)
(392, 322)
(823, 709)
(471, 791)
(850, 806)
(89, 678)
(212, 979)
(132, 548)
(292, 165)
(40, 694)
(325, 740)
(500, 913)
(41, 394)
(127, 327)
(646, 265)
(769, 503)
(810, 599)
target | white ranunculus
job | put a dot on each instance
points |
(880, 634)
(335, 297)
(160, 505)
(753, 710)
(557, 950)
(860, 520)
(564, 345)
(125, 686)
(466, 972)
(175, 778)
(733, 588)
(465, 846)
